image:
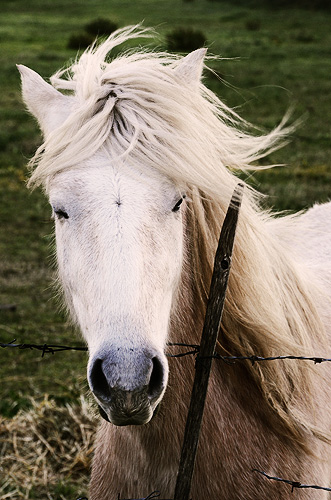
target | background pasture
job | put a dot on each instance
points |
(279, 57)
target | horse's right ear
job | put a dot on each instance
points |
(47, 104)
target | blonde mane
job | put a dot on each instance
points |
(139, 109)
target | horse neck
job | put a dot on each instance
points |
(269, 310)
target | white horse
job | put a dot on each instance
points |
(138, 164)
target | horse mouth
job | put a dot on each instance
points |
(122, 416)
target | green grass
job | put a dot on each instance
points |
(280, 59)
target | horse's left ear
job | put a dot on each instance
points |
(190, 67)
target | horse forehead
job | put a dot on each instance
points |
(95, 180)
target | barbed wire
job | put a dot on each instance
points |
(45, 348)
(252, 358)
(193, 350)
(294, 484)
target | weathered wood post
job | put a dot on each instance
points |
(210, 332)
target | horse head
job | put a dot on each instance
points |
(119, 226)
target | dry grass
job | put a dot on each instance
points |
(45, 452)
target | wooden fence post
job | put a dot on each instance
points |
(210, 332)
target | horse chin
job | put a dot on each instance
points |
(120, 419)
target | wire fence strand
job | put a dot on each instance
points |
(294, 484)
(44, 348)
(194, 350)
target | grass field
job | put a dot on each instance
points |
(279, 58)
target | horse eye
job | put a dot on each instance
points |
(178, 204)
(61, 214)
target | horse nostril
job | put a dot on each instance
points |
(155, 385)
(99, 384)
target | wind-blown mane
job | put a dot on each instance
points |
(140, 109)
